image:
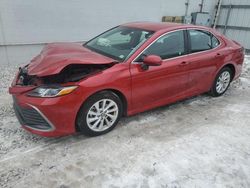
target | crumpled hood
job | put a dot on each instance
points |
(54, 57)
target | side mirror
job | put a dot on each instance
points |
(152, 60)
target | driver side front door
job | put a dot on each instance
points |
(162, 84)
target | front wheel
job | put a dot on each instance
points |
(99, 114)
(222, 82)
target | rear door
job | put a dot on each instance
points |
(203, 57)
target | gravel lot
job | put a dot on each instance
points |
(199, 142)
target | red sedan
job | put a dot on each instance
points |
(128, 69)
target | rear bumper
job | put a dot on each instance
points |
(238, 71)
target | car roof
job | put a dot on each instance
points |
(160, 26)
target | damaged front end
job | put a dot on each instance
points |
(62, 63)
(37, 98)
(71, 73)
(57, 71)
(58, 84)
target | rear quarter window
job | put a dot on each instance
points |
(202, 40)
(215, 42)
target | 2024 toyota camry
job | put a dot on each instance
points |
(128, 69)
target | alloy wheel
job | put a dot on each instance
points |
(102, 115)
(223, 82)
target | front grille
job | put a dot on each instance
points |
(31, 118)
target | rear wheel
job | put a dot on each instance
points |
(222, 82)
(99, 114)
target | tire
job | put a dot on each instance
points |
(93, 119)
(224, 76)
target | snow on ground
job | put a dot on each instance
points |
(199, 142)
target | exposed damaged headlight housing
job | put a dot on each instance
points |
(51, 91)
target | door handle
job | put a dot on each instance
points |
(183, 63)
(218, 54)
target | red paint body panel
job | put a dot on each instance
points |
(55, 57)
(142, 89)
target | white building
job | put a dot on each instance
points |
(26, 25)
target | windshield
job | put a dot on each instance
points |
(119, 43)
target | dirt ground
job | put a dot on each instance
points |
(199, 142)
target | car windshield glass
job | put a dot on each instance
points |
(119, 43)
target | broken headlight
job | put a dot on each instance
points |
(51, 91)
